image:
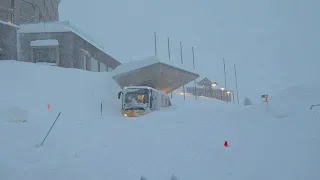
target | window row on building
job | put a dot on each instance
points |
(47, 51)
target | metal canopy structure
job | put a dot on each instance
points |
(153, 73)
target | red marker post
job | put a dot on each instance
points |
(49, 106)
(226, 144)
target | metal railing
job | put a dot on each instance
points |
(314, 105)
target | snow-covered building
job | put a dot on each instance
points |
(61, 43)
(205, 87)
(16, 12)
(31, 31)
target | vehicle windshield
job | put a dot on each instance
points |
(136, 99)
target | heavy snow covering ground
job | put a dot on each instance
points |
(185, 140)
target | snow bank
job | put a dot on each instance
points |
(185, 140)
(13, 114)
(72, 91)
(46, 64)
(293, 101)
(298, 97)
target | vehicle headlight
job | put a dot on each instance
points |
(125, 115)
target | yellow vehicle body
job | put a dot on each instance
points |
(133, 113)
(141, 100)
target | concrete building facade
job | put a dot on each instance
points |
(29, 11)
(16, 12)
(61, 44)
(8, 41)
(31, 32)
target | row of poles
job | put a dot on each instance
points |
(235, 76)
(194, 67)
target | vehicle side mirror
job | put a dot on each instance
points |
(119, 94)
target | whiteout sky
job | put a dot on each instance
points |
(275, 43)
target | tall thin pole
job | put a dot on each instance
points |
(181, 52)
(235, 75)
(184, 93)
(194, 68)
(233, 98)
(225, 75)
(155, 43)
(169, 54)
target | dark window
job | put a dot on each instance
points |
(40, 17)
(27, 8)
(48, 55)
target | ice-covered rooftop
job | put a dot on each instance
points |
(46, 42)
(58, 26)
(154, 73)
(134, 65)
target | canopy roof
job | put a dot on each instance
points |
(153, 73)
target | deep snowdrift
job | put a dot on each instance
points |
(185, 140)
(73, 91)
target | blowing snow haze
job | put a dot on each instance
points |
(70, 110)
(274, 43)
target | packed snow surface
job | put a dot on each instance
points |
(278, 142)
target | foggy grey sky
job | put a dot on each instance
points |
(275, 43)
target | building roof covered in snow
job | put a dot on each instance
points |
(60, 26)
(205, 82)
(66, 35)
(153, 73)
(44, 42)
